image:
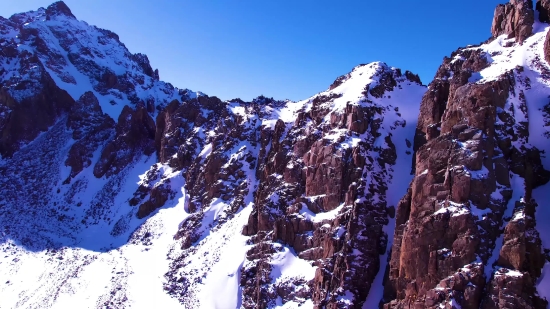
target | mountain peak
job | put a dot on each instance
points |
(58, 8)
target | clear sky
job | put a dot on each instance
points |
(286, 49)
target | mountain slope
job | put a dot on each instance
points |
(77, 193)
(121, 191)
(323, 166)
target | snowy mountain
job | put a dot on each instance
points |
(122, 191)
(471, 233)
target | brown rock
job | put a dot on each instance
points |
(157, 198)
(30, 115)
(547, 48)
(454, 172)
(460, 186)
(514, 19)
(325, 168)
(543, 6)
(135, 133)
(482, 100)
(90, 130)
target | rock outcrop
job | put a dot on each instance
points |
(91, 128)
(521, 259)
(135, 135)
(543, 7)
(322, 174)
(331, 159)
(547, 48)
(514, 19)
(471, 167)
(30, 100)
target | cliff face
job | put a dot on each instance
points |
(467, 234)
(119, 190)
(310, 184)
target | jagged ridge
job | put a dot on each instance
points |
(125, 191)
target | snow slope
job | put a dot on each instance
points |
(51, 260)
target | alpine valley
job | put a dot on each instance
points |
(118, 190)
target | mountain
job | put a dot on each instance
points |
(122, 191)
(471, 231)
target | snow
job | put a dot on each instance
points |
(286, 264)
(104, 51)
(517, 194)
(454, 304)
(347, 299)
(455, 209)
(352, 89)
(101, 252)
(319, 217)
(503, 59)
(222, 281)
(520, 215)
(543, 283)
(102, 255)
(536, 97)
(206, 151)
(86, 272)
(529, 56)
(479, 213)
(408, 103)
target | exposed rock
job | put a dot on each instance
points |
(175, 127)
(547, 48)
(257, 275)
(331, 177)
(464, 158)
(325, 168)
(413, 77)
(466, 288)
(143, 61)
(30, 106)
(58, 8)
(451, 75)
(521, 260)
(135, 134)
(514, 19)
(158, 196)
(543, 7)
(91, 128)
(312, 180)
(511, 289)
(338, 81)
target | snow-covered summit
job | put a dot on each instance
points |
(79, 58)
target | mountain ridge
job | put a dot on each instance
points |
(120, 190)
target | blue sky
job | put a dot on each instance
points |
(281, 48)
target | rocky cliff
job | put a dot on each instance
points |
(466, 233)
(120, 190)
